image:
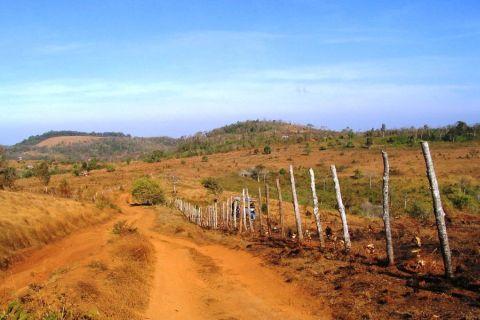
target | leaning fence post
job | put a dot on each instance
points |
(386, 209)
(341, 209)
(280, 209)
(315, 208)
(298, 219)
(439, 213)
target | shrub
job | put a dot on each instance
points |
(110, 167)
(64, 188)
(258, 172)
(204, 159)
(76, 169)
(148, 192)
(212, 185)
(267, 149)
(42, 172)
(459, 199)
(7, 177)
(357, 174)
(123, 228)
(307, 149)
(419, 210)
(282, 171)
(155, 156)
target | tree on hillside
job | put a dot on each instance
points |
(42, 172)
(8, 175)
(147, 192)
(212, 185)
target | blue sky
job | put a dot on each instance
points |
(176, 67)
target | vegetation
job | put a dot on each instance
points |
(253, 134)
(42, 172)
(122, 228)
(267, 150)
(212, 185)
(8, 174)
(147, 192)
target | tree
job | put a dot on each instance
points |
(383, 130)
(8, 175)
(147, 192)
(212, 185)
(42, 172)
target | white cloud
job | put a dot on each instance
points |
(58, 48)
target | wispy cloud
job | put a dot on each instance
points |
(58, 48)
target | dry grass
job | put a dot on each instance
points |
(66, 140)
(28, 220)
(114, 285)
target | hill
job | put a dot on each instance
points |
(261, 135)
(74, 146)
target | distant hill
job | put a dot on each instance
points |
(74, 146)
(248, 134)
(256, 134)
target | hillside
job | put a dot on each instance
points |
(355, 285)
(256, 134)
(74, 146)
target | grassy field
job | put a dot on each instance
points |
(358, 285)
(30, 220)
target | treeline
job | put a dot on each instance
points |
(33, 140)
(261, 135)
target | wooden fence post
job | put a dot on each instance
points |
(341, 209)
(235, 207)
(315, 209)
(280, 208)
(250, 222)
(244, 216)
(267, 202)
(386, 209)
(260, 215)
(298, 219)
(439, 213)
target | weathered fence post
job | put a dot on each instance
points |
(341, 209)
(235, 207)
(260, 215)
(280, 208)
(250, 222)
(267, 203)
(386, 209)
(244, 215)
(315, 208)
(298, 219)
(439, 213)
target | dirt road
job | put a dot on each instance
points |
(191, 281)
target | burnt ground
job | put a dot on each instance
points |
(359, 285)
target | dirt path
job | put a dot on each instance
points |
(190, 281)
(214, 282)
